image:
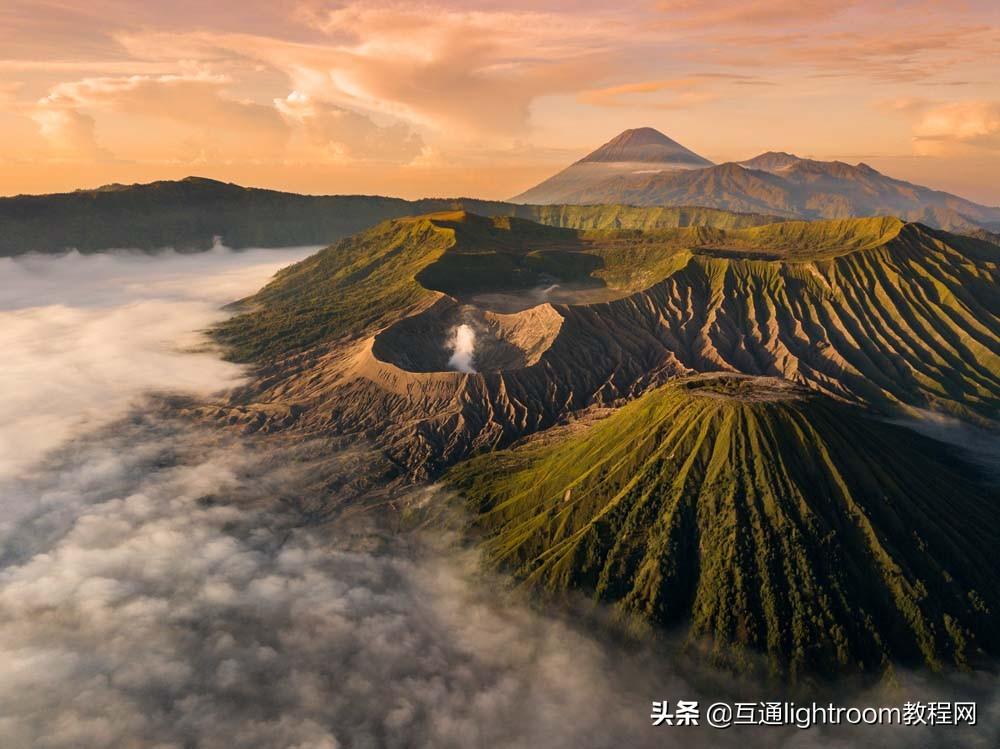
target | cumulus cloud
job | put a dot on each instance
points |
(943, 128)
(473, 69)
(470, 72)
(196, 100)
(214, 125)
(68, 132)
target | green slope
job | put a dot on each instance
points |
(759, 518)
(359, 284)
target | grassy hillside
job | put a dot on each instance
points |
(759, 518)
(358, 284)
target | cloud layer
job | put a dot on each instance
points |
(83, 336)
(175, 611)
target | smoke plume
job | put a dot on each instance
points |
(463, 346)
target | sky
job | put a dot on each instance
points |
(485, 99)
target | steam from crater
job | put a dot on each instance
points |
(463, 347)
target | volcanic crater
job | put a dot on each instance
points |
(425, 342)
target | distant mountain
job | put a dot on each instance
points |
(771, 161)
(774, 182)
(633, 152)
(189, 214)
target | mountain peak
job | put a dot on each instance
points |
(645, 144)
(772, 161)
(640, 136)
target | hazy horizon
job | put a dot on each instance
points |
(485, 100)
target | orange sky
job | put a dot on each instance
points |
(483, 98)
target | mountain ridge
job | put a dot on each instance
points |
(188, 215)
(775, 182)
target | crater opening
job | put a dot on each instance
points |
(464, 338)
(509, 282)
(743, 387)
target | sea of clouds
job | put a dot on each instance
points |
(155, 590)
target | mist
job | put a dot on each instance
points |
(83, 335)
(161, 585)
(978, 446)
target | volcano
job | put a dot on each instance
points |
(640, 151)
(760, 517)
(743, 488)
(357, 338)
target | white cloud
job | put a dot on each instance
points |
(206, 123)
(197, 101)
(156, 617)
(68, 132)
(466, 73)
